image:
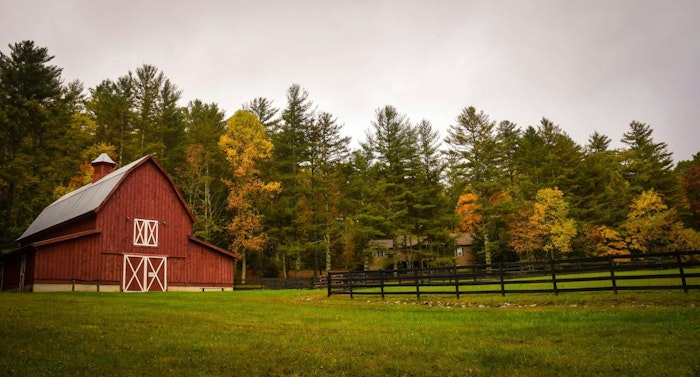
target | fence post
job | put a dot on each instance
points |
(500, 276)
(612, 272)
(328, 283)
(456, 282)
(73, 285)
(351, 284)
(415, 274)
(554, 278)
(682, 272)
(381, 282)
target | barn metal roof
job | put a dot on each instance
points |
(79, 202)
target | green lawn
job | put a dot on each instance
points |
(304, 333)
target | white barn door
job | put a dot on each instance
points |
(145, 273)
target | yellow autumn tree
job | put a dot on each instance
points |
(245, 145)
(653, 227)
(543, 228)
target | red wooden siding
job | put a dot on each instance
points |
(144, 194)
(73, 259)
(209, 264)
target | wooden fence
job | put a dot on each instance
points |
(609, 273)
(280, 283)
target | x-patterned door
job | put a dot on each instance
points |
(145, 273)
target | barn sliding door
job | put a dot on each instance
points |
(145, 273)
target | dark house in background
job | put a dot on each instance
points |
(407, 252)
(129, 230)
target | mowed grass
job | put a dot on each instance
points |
(304, 333)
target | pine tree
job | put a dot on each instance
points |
(648, 165)
(603, 196)
(264, 109)
(111, 106)
(482, 164)
(327, 149)
(290, 155)
(39, 141)
(391, 145)
(472, 152)
(200, 179)
(548, 157)
(428, 211)
(690, 181)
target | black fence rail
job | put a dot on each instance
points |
(676, 270)
(96, 282)
(280, 283)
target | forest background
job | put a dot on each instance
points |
(279, 184)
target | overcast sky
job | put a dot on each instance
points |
(585, 65)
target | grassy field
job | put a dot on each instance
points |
(304, 333)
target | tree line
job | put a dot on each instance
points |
(282, 186)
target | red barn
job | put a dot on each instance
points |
(129, 230)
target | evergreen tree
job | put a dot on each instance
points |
(266, 112)
(548, 157)
(431, 222)
(327, 149)
(482, 158)
(391, 143)
(111, 106)
(648, 165)
(361, 219)
(507, 140)
(139, 115)
(200, 179)
(159, 124)
(690, 181)
(290, 155)
(39, 135)
(473, 152)
(602, 197)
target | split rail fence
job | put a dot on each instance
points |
(280, 283)
(658, 271)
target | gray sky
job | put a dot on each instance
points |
(585, 65)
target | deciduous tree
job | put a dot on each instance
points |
(246, 145)
(545, 226)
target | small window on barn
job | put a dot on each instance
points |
(459, 252)
(145, 232)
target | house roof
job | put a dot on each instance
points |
(461, 239)
(80, 202)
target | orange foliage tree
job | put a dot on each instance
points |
(467, 210)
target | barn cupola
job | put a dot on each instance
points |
(102, 166)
